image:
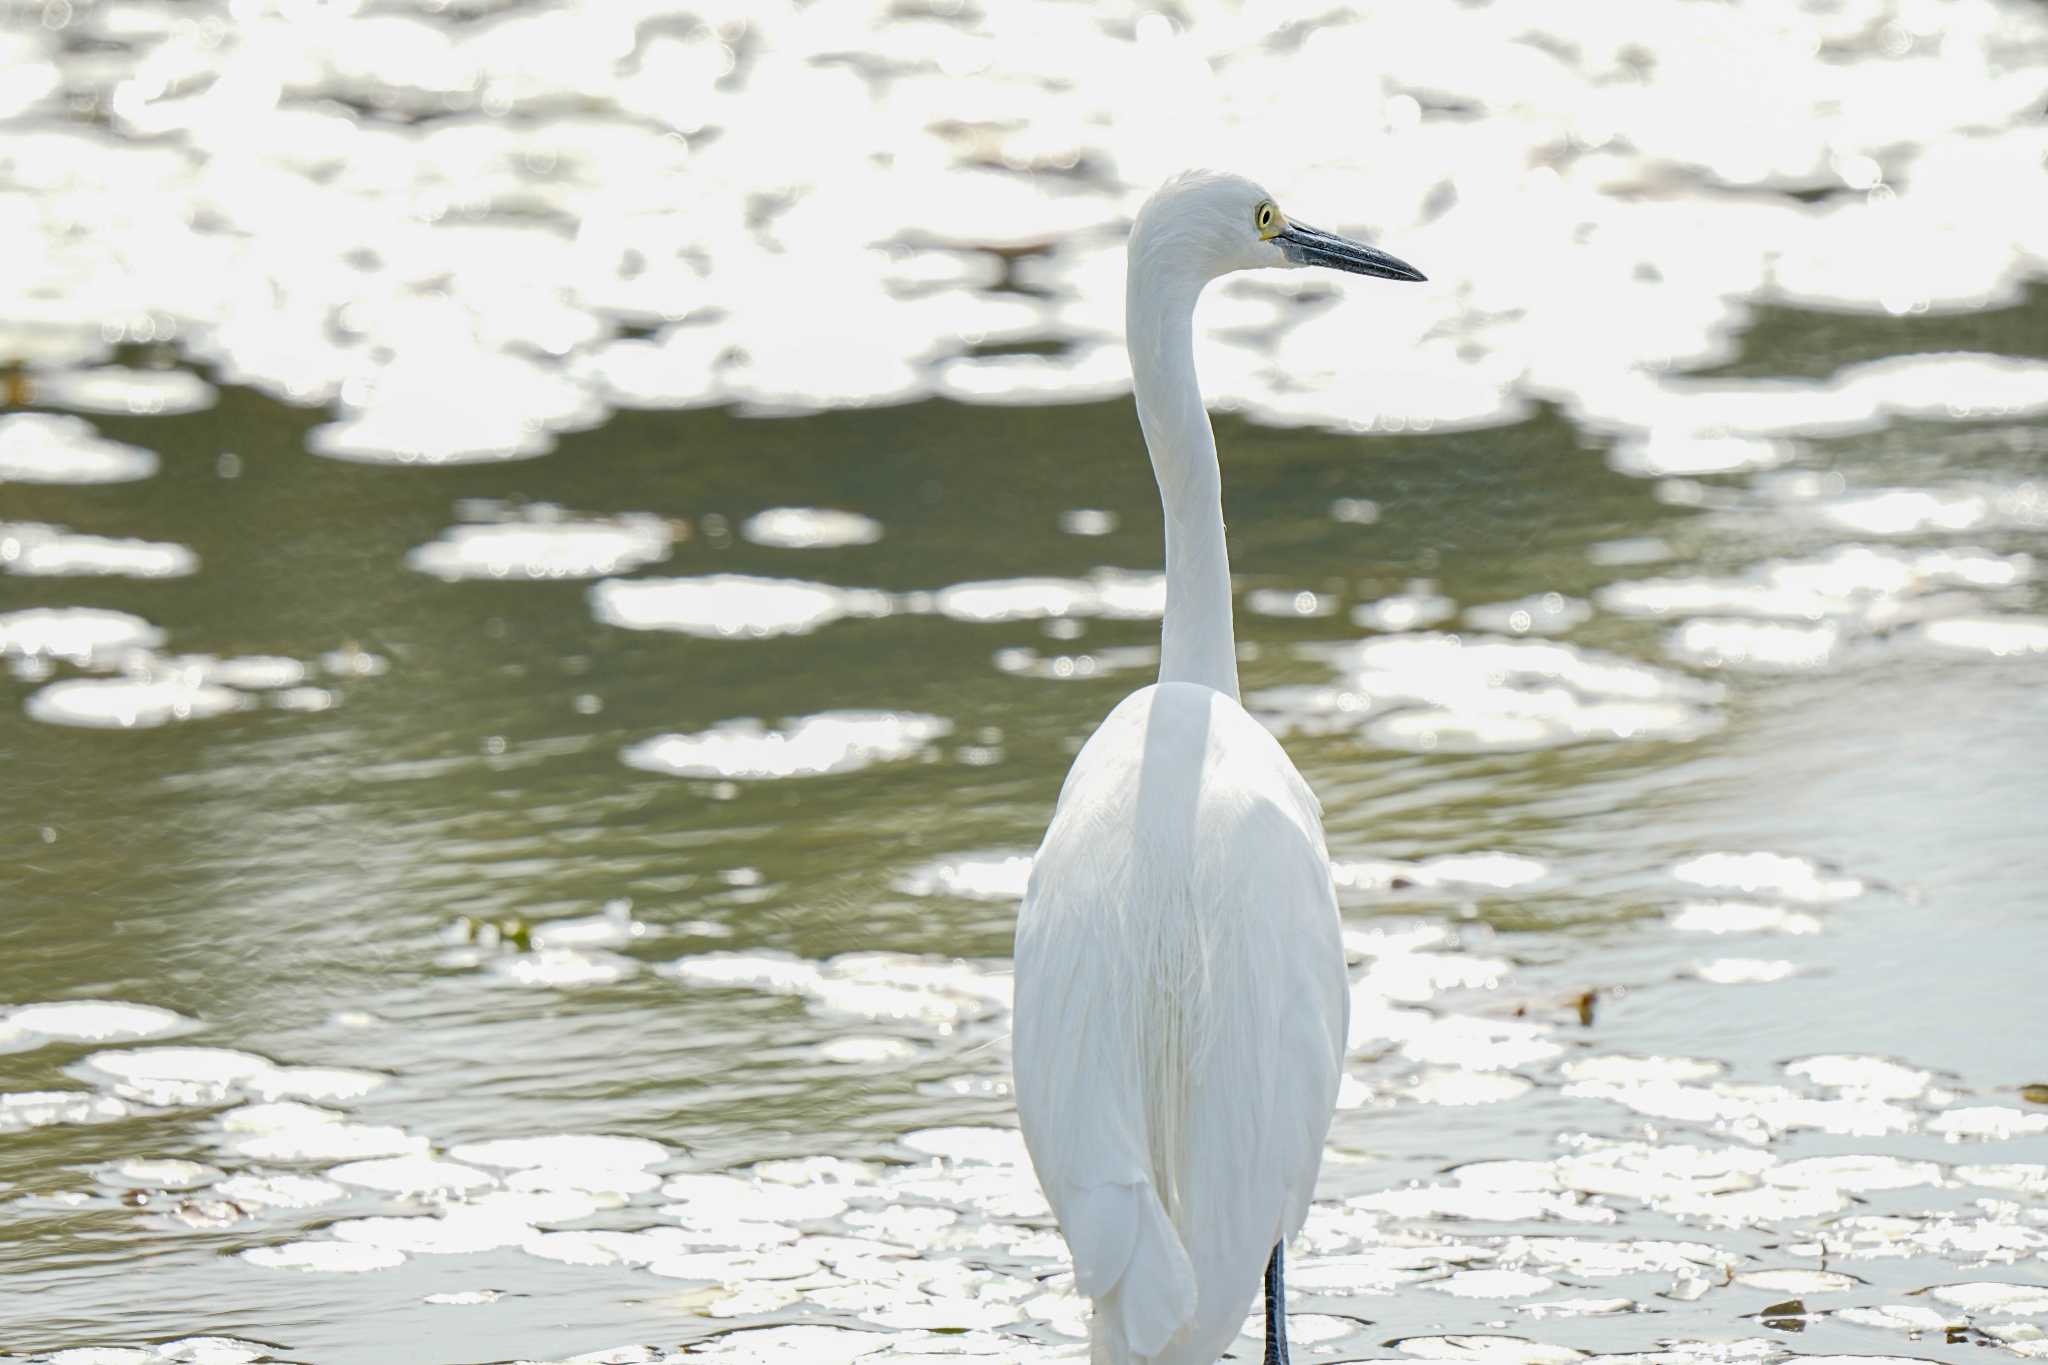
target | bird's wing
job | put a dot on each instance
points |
(1180, 1009)
(1077, 1050)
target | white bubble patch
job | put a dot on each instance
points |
(38, 551)
(39, 448)
(538, 550)
(731, 606)
(812, 746)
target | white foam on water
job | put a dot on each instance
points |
(174, 1075)
(563, 968)
(42, 448)
(1479, 694)
(321, 1084)
(1956, 386)
(44, 1108)
(1082, 374)
(1857, 586)
(993, 876)
(544, 549)
(1999, 636)
(130, 703)
(280, 1191)
(329, 1141)
(1088, 521)
(1783, 875)
(811, 746)
(127, 392)
(810, 528)
(1301, 604)
(86, 636)
(1543, 613)
(1745, 971)
(251, 673)
(330, 1258)
(1418, 608)
(1117, 594)
(1665, 453)
(1755, 646)
(1022, 662)
(456, 403)
(562, 1150)
(1741, 917)
(1906, 511)
(96, 1021)
(39, 551)
(731, 606)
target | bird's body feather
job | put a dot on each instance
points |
(1181, 1011)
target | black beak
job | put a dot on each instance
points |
(1305, 245)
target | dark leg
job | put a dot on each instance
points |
(1276, 1308)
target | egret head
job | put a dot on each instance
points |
(1202, 224)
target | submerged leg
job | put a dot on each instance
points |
(1276, 1308)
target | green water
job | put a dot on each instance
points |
(298, 882)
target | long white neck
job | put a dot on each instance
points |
(1196, 640)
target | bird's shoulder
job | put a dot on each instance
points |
(1176, 744)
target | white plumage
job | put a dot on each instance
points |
(1181, 997)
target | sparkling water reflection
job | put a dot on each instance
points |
(429, 935)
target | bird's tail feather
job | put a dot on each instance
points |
(1154, 1298)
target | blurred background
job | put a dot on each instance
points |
(553, 557)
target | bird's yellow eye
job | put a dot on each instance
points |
(1266, 218)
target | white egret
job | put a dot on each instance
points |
(1181, 998)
